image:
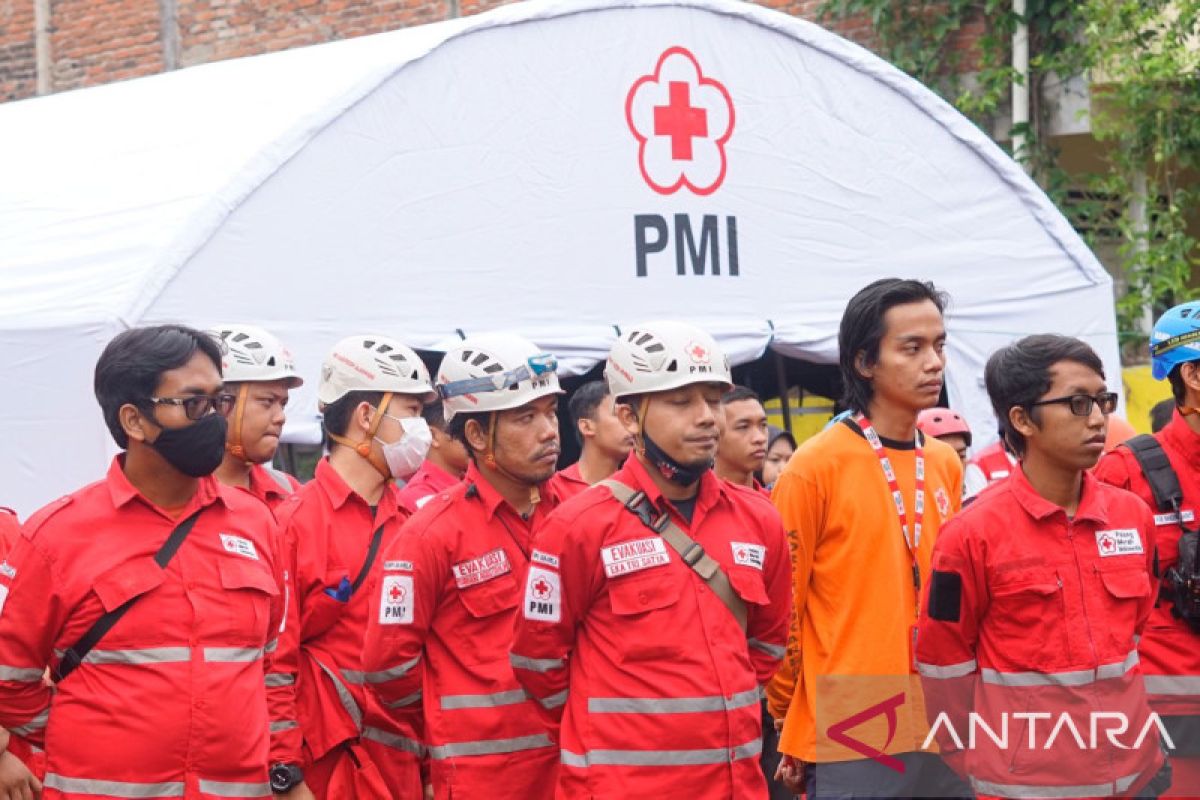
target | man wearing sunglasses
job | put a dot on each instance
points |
(441, 623)
(1170, 648)
(330, 738)
(1039, 593)
(170, 698)
(259, 374)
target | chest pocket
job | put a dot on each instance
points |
(1125, 593)
(132, 579)
(248, 589)
(749, 585)
(494, 601)
(1021, 604)
(648, 600)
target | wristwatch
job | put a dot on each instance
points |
(285, 777)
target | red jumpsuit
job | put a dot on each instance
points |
(1170, 650)
(450, 591)
(268, 485)
(1029, 612)
(429, 480)
(323, 716)
(170, 703)
(656, 685)
(567, 482)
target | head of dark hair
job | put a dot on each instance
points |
(434, 415)
(584, 402)
(1019, 374)
(132, 365)
(738, 393)
(335, 418)
(862, 329)
(1178, 387)
(1160, 414)
(457, 428)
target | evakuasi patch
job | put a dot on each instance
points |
(634, 556)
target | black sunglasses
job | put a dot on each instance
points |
(198, 406)
(1081, 404)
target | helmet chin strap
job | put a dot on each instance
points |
(489, 457)
(236, 447)
(363, 448)
(669, 468)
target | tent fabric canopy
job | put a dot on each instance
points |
(562, 169)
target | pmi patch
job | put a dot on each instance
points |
(749, 555)
(1119, 542)
(544, 558)
(634, 556)
(238, 546)
(543, 595)
(481, 570)
(396, 600)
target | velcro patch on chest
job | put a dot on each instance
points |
(238, 546)
(1174, 519)
(396, 600)
(480, 570)
(749, 555)
(634, 556)
(1119, 542)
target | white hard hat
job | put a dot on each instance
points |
(372, 364)
(494, 372)
(253, 355)
(659, 356)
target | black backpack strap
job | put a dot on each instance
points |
(372, 554)
(1164, 483)
(74, 655)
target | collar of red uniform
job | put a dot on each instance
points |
(263, 485)
(1183, 439)
(438, 478)
(340, 493)
(1091, 503)
(636, 476)
(572, 474)
(122, 491)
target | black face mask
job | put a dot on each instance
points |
(671, 469)
(196, 450)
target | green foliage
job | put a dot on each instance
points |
(1142, 57)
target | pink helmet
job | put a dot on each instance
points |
(938, 422)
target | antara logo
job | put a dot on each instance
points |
(682, 120)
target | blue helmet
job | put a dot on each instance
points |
(1175, 340)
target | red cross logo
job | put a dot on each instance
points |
(741, 554)
(1107, 544)
(541, 589)
(682, 120)
(396, 594)
(698, 353)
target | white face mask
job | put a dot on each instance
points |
(405, 456)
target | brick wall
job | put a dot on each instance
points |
(97, 41)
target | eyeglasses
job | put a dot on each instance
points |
(534, 366)
(1081, 404)
(198, 406)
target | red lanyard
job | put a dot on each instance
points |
(898, 497)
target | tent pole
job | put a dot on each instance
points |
(781, 379)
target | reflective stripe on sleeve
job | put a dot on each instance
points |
(453, 702)
(280, 725)
(274, 679)
(35, 724)
(21, 674)
(671, 705)
(535, 664)
(358, 678)
(234, 789)
(487, 747)
(947, 671)
(773, 650)
(554, 700)
(232, 655)
(1086, 790)
(1172, 684)
(661, 758)
(112, 788)
(344, 696)
(394, 740)
(404, 702)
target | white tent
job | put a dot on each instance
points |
(555, 168)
